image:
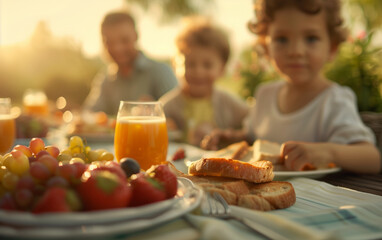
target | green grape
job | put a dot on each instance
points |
(3, 171)
(76, 141)
(64, 162)
(76, 145)
(106, 156)
(87, 149)
(100, 151)
(66, 151)
(92, 156)
(80, 155)
(64, 157)
(10, 180)
(76, 159)
(7, 159)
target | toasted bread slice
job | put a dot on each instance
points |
(237, 151)
(258, 196)
(266, 150)
(277, 194)
(257, 172)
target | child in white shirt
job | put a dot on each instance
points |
(314, 119)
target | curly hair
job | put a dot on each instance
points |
(204, 34)
(265, 11)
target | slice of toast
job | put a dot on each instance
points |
(268, 196)
(258, 196)
(257, 172)
(266, 150)
(238, 151)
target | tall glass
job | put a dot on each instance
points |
(7, 126)
(141, 133)
(35, 103)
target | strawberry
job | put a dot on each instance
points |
(179, 154)
(102, 189)
(57, 199)
(163, 174)
(146, 190)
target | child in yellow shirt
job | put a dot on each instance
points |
(197, 107)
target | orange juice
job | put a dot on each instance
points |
(35, 103)
(7, 133)
(143, 138)
(36, 109)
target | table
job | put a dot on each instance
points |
(369, 183)
(325, 206)
(330, 212)
(195, 226)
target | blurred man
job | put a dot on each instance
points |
(132, 76)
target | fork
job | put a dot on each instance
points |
(218, 207)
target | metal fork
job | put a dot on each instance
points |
(215, 206)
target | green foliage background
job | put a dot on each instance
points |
(359, 66)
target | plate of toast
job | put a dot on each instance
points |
(261, 150)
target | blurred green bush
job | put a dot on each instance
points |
(359, 66)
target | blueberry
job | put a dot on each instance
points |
(130, 166)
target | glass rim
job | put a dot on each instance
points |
(140, 102)
(8, 116)
(5, 100)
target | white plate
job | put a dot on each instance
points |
(91, 218)
(190, 199)
(281, 175)
(194, 154)
(27, 219)
(174, 135)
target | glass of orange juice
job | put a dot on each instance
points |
(141, 133)
(7, 126)
(35, 103)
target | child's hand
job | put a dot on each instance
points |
(171, 125)
(199, 132)
(222, 138)
(211, 141)
(300, 156)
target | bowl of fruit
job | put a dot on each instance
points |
(43, 186)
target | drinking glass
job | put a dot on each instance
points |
(7, 126)
(141, 133)
(35, 103)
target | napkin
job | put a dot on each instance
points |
(287, 228)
